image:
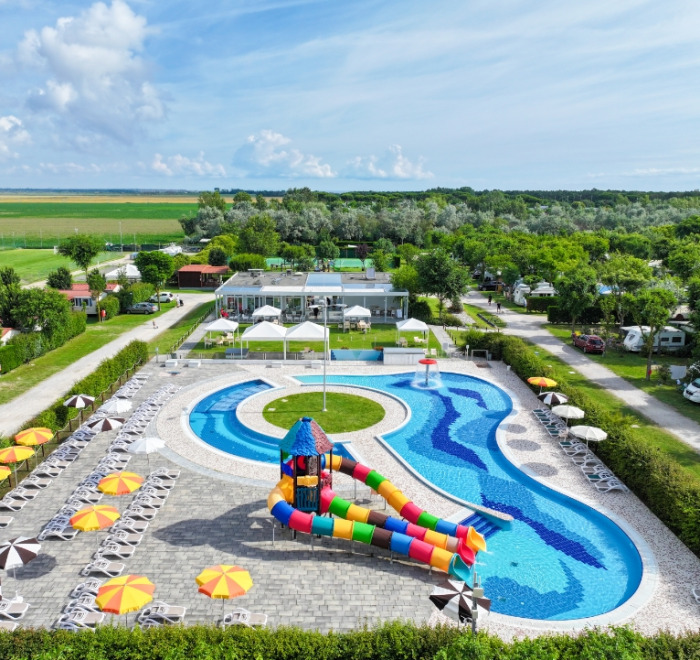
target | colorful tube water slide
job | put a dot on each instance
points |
(420, 535)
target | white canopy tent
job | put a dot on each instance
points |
(356, 312)
(266, 311)
(127, 270)
(222, 325)
(307, 331)
(266, 331)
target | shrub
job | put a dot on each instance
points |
(111, 306)
(141, 292)
(245, 261)
(420, 309)
(9, 358)
(541, 304)
(451, 320)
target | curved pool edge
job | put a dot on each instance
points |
(650, 570)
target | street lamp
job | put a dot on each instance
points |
(325, 351)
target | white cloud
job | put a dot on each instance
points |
(392, 165)
(267, 154)
(182, 165)
(12, 133)
(96, 78)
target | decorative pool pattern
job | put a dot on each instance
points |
(559, 559)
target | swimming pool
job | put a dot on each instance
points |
(558, 560)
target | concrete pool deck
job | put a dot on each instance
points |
(217, 514)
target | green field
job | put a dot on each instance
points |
(44, 224)
(33, 265)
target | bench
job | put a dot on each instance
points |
(171, 363)
(194, 364)
(315, 364)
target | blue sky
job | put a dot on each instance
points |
(350, 95)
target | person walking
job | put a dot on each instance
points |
(490, 299)
(498, 307)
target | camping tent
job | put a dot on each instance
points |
(129, 270)
(307, 331)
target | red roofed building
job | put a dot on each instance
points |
(81, 299)
(199, 276)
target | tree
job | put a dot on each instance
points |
(242, 262)
(684, 260)
(380, 260)
(60, 278)
(299, 256)
(217, 257)
(9, 276)
(362, 252)
(81, 249)
(242, 196)
(97, 283)
(652, 308)
(624, 274)
(405, 278)
(213, 200)
(260, 202)
(577, 291)
(327, 250)
(440, 276)
(156, 269)
(259, 236)
(46, 309)
(386, 246)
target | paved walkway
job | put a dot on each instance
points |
(31, 403)
(529, 326)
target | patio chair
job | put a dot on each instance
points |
(33, 481)
(157, 482)
(610, 484)
(148, 501)
(160, 612)
(125, 538)
(433, 352)
(90, 586)
(21, 493)
(105, 567)
(5, 521)
(83, 494)
(47, 471)
(130, 526)
(140, 513)
(12, 504)
(12, 610)
(151, 490)
(61, 532)
(601, 476)
(165, 473)
(85, 601)
(113, 549)
(8, 626)
(80, 620)
(243, 617)
(696, 594)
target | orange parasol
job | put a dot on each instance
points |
(124, 594)
(95, 517)
(120, 483)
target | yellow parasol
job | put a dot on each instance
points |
(15, 455)
(120, 483)
(224, 581)
(541, 382)
(124, 594)
(95, 517)
(33, 437)
(5, 473)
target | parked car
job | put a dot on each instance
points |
(692, 391)
(142, 308)
(491, 285)
(165, 296)
(589, 343)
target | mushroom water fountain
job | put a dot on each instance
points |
(427, 375)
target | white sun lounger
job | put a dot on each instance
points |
(243, 617)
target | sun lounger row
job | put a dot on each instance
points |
(131, 387)
(553, 424)
(592, 467)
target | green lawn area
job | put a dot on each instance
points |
(344, 412)
(632, 367)
(166, 339)
(95, 336)
(646, 431)
(34, 265)
(379, 335)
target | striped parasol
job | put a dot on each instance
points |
(115, 407)
(79, 401)
(124, 594)
(120, 483)
(17, 552)
(15, 455)
(553, 398)
(542, 381)
(224, 581)
(455, 599)
(33, 437)
(5, 473)
(93, 518)
(105, 424)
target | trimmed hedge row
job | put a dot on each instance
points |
(393, 641)
(591, 316)
(541, 303)
(9, 359)
(57, 415)
(670, 492)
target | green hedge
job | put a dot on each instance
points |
(9, 358)
(670, 492)
(111, 306)
(57, 415)
(392, 641)
(541, 303)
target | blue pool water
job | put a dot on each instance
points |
(356, 354)
(558, 560)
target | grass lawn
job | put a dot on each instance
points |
(379, 335)
(632, 367)
(166, 339)
(646, 431)
(344, 412)
(474, 311)
(95, 336)
(33, 265)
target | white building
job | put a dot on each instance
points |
(521, 292)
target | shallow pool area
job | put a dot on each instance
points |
(558, 560)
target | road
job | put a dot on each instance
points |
(18, 411)
(530, 327)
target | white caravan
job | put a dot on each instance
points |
(522, 291)
(670, 338)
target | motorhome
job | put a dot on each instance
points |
(521, 292)
(669, 338)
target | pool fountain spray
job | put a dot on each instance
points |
(428, 378)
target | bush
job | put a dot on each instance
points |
(141, 292)
(111, 306)
(420, 309)
(244, 261)
(9, 358)
(451, 320)
(541, 304)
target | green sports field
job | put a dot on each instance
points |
(33, 265)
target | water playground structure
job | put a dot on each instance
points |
(305, 493)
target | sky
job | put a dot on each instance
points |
(344, 95)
